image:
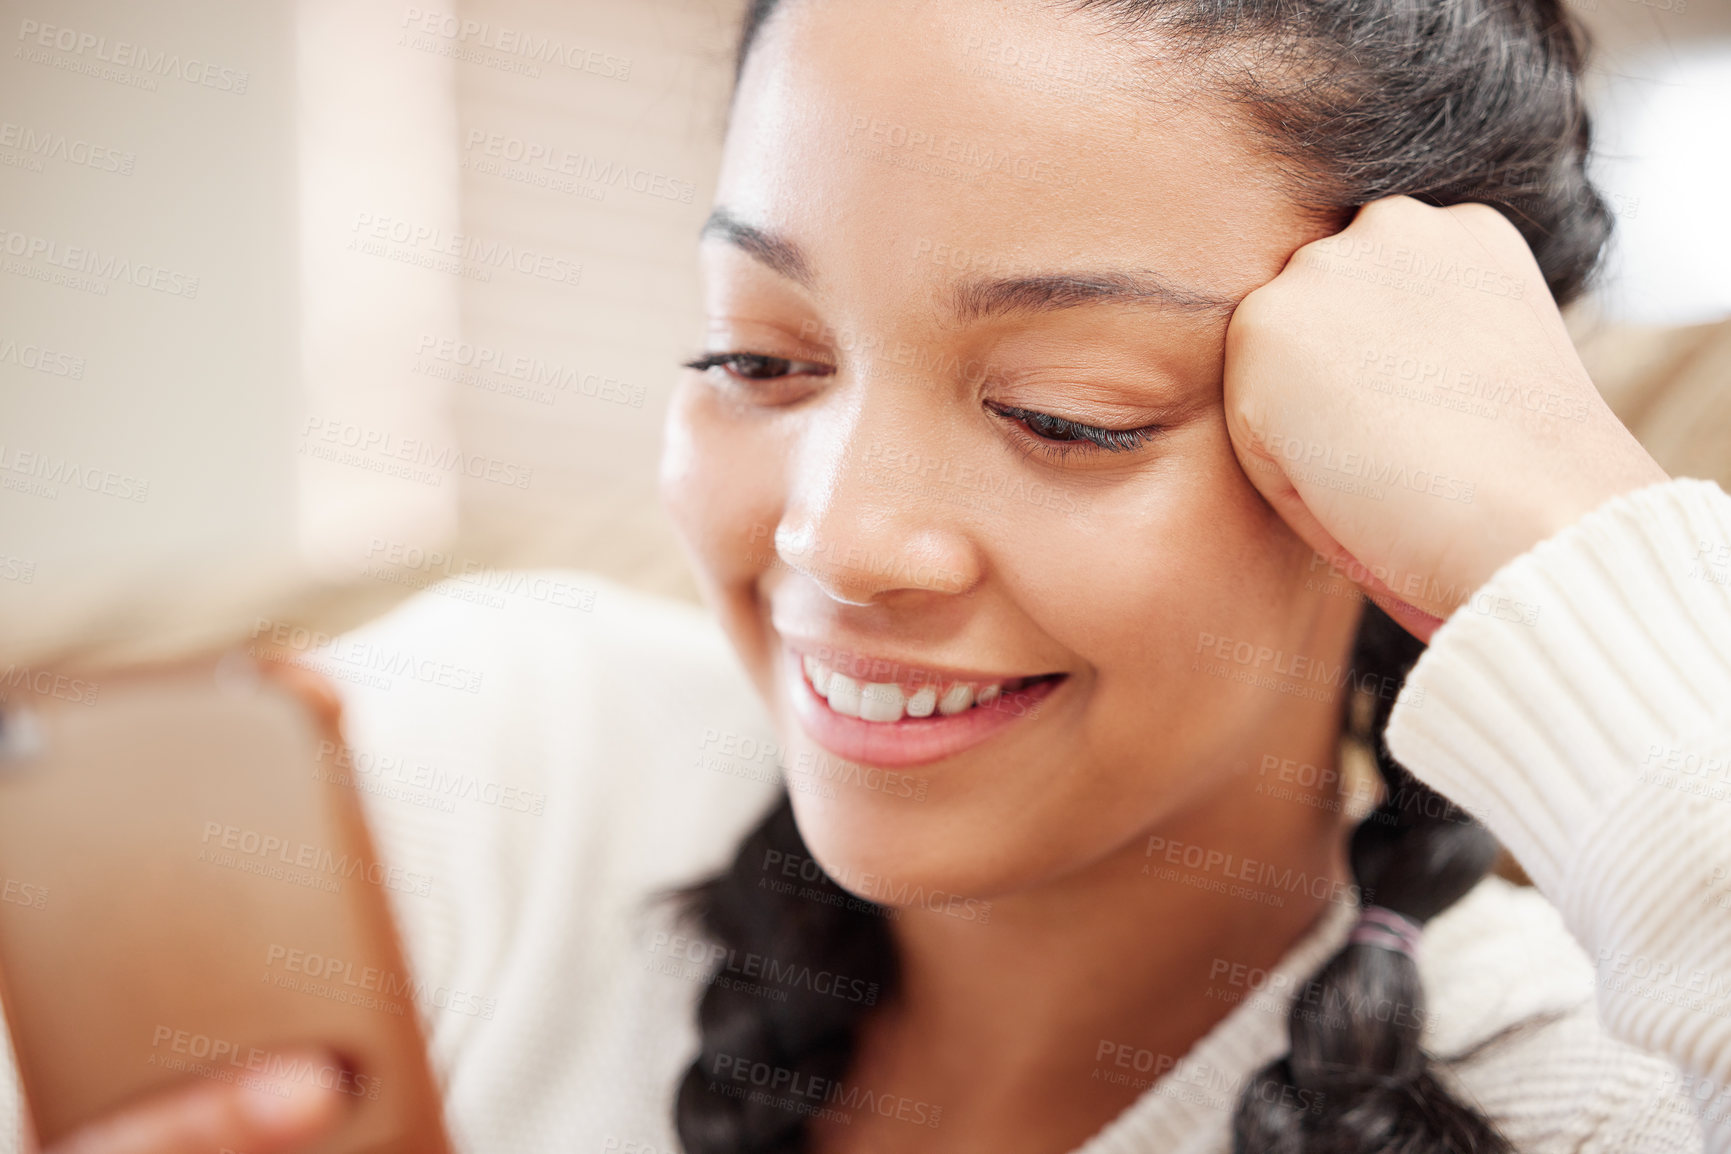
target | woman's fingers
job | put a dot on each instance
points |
(269, 1115)
(1277, 489)
(1405, 397)
(313, 688)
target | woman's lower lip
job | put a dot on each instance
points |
(910, 741)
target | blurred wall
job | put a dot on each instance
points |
(149, 313)
(1661, 86)
(614, 164)
(306, 306)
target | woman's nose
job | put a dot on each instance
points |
(865, 519)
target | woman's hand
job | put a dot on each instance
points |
(1406, 397)
(211, 1117)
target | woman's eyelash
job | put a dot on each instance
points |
(757, 366)
(1055, 433)
(1060, 433)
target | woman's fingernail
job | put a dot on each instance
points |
(298, 1089)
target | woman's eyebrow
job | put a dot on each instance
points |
(778, 253)
(975, 300)
(978, 299)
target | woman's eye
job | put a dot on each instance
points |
(1062, 435)
(757, 367)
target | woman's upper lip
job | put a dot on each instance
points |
(886, 668)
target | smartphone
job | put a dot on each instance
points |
(184, 891)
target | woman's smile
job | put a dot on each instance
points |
(894, 714)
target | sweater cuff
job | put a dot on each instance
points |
(1579, 664)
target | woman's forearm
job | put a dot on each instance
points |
(1580, 705)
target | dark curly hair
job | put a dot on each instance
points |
(1446, 101)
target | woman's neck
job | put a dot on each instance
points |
(1013, 1024)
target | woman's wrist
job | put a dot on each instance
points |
(1542, 695)
(1628, 469)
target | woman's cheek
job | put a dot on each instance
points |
(721, 483)
(1156, 566)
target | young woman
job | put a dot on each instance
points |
(1070, 368)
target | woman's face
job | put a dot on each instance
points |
(953, 241)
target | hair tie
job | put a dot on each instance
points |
(1381, 926)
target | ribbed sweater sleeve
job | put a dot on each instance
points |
(1580, 706)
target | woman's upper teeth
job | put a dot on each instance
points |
(888, 701)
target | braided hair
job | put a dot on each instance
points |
(1365, 1084)
(813, 924)
(1446, 101)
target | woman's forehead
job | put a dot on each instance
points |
(1019, 133)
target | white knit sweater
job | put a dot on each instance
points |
(1596, 743)
(615, 750)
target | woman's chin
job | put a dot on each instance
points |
(944, 862)
(878, 854)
